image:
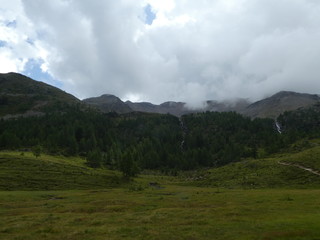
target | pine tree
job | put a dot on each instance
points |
(94, 158)
(36, 150)
(128, 166)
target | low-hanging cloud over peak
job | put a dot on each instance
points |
(189, 50)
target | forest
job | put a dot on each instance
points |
(136, 141)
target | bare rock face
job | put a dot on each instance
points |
(273, 106)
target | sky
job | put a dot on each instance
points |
(161, 50)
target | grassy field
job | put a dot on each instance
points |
(64, 199)
(169, 212)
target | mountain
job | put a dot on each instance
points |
(227, 106)
(170, 107)
(23, 96)
(283, 101)
(135, 140)
(108, 103)
(143, 107)
(111, 103)
(270, 107)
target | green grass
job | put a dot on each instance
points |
(26, 172)
(308, 158)
(172, 212)
(73, 201)
(265, 173)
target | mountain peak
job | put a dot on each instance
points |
(280, 102)
(108, 103)
(108, 96)
(23, 96)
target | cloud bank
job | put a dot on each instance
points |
(191, 51)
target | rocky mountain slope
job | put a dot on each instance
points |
(283, 101)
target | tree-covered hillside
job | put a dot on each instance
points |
(134, 141)
(304, 122)
(215, 139)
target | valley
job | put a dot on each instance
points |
(53, 197)
(98, 169)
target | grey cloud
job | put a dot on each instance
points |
(245, 48)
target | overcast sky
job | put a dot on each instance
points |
(160, 50)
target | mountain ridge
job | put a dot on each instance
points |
(270, 107)
(23, 96)
(108, 103)
(279, 103)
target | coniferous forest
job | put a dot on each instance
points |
(136, 141)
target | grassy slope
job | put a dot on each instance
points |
(172, 211)
(19, 94)
(47, 172)
(308, 158)
(267, 173)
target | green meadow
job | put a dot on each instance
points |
(172, 212)
(54, 197)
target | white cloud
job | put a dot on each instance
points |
(7, 63)
(17, 34)
(194, 50)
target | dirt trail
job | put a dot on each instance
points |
(301, 167)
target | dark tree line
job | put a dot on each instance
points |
(215, 139)
(135, 141)
(303, 123)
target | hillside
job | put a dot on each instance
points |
(108, 103)
(23, 171)
(273, 106)
(267, 172)
(159, 141)
(23, 96)
(135, 141)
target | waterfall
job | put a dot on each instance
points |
(278, 127)
(184, 130)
